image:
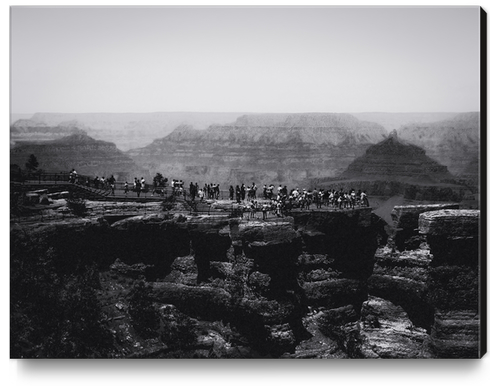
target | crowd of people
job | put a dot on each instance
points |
(278, 201)
(282, 200)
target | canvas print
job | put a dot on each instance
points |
(247, 182)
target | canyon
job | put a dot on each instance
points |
(317, 284)
(77, 151)
(287, 149)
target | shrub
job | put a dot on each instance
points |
(77, 206)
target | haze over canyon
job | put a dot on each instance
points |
(231, 148)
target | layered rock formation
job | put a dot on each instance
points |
(126, 130)
(437, 284)
(393, 159)
(215, 268)
(454, 281)
(263, 148)
(393, 167)
(85, 154)
(405, 218)
(25, 130)
(452, 142)
(315, 284)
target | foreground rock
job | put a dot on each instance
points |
(454, 280)
(406, 221)
(174, 284)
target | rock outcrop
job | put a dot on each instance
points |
(454, 281)
(405, 218)
(311, 285)
(263, 148)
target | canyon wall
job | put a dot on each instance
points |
(126, 130)
(316, 284)
(288, 149)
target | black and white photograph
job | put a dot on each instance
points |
(233, 182)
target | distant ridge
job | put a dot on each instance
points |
(393, 159)
(261, 148)
(80, 151)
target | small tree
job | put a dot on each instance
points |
(159, 180)
(32, 163)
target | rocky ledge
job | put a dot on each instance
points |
(171, 284)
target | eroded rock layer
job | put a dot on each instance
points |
(262, 148)
(313, 285)
(454, 281)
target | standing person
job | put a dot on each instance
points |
(238, 194)
(138, 187)
(364, 199)
(231, 190)
(242, 190)
(191, 191)
(217, 191)
(265, 208)
(126, 188)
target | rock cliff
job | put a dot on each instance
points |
(263, 148)
(313, 285)
(454, 281)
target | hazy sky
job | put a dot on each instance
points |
(291, 59)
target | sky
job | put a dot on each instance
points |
(244, 59)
